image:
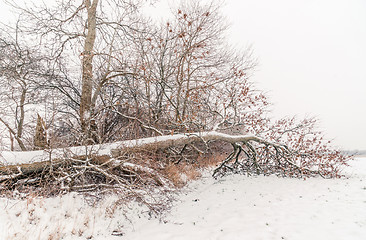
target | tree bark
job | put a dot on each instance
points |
(22, 113)
(87, 67)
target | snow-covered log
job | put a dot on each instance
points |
(34, 160)
(260, 156)
(9, 159)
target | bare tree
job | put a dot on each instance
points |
(20, 69)
(178, 71)
(85, 34)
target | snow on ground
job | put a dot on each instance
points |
(67, 217)
(234, 207)
(239, 207)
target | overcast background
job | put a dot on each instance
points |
(312, 58)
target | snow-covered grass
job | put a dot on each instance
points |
(234, 207)
(66, 217)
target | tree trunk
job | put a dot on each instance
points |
(22, 113)
(87, 67)
(109, 151)
(11, 141)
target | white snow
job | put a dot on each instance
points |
(234, 207)
(239, 207)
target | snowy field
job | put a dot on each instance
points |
(235, 207)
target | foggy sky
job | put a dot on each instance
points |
(312, 56)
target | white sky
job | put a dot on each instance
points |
(312, 59)
(312, 56)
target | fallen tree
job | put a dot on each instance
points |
(138, 169)
(38, 160)
(179, 78)
(246, 156)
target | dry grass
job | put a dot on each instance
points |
(180, 174)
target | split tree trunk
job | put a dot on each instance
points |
(40, 136)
